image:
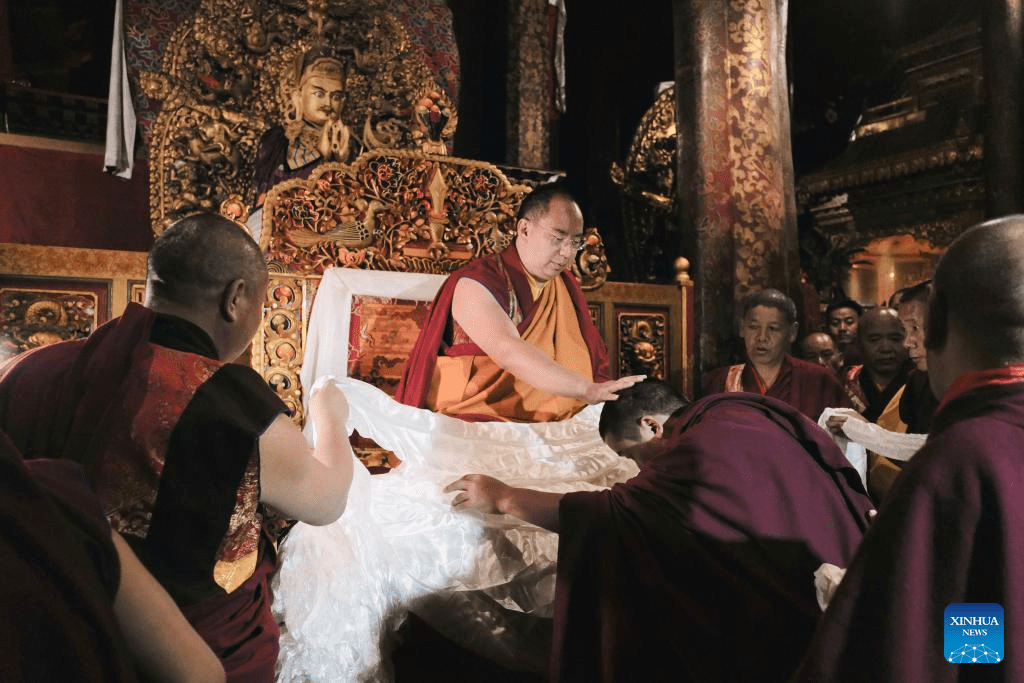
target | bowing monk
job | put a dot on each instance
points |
(950, 530)
(768, 327)
(184, 448)
(509, 335)
(701, 567)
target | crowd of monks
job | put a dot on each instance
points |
(150, 480)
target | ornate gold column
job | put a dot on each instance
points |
(735, 175)
(529, 84)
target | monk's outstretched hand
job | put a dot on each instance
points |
(609, 391)
(478, 492)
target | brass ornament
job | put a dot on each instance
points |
(642, 344)
(591, 265)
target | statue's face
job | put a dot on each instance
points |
(320, 98)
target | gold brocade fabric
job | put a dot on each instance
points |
(236, 557)
(476, 385)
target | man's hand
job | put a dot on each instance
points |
(608, 391)
(488, 495)
(328, 405)
(479, 492)
(836, 422)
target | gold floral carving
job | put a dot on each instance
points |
(36, 317)
(400, 211)
(227, 77)
(754, 145)
(642, 344)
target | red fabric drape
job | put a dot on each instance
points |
(64, 199)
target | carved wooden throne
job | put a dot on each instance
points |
(400, 205)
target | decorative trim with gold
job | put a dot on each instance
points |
(280, 342)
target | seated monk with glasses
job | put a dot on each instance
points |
(509, 337)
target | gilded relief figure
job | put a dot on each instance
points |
(313, 131)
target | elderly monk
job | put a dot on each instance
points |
(700, 568)
(951, 530)
(185, 449)
(509, 335)
(768, 327)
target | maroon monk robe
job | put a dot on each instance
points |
(701, 567)
(951, 531)
(495, 272)
(168, 436)
(808, 387)
(59, 573)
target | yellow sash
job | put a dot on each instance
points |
(476, 385)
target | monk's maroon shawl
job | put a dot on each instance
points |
(59, 573)
(490, 271)
(701, 567)
(91, 401)
(808, 387)
(951, 531)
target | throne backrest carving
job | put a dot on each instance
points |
(227, 77)
(397, 211)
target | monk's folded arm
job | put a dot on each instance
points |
(302, 483)
(490, 328)
(536, 507)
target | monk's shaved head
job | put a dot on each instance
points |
(979, 288)
(194, 259)
(877, 317)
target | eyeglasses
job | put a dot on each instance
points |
(575, 241)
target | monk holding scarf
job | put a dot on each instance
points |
(509, 335)
(952, 529)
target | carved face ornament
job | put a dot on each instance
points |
(321, 98)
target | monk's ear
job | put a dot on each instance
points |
(231, 300)
(651, 425)
(521, 226)
(793, 329)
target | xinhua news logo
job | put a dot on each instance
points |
(974, 633)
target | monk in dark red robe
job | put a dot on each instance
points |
(509, 335)
(182, 447)
(768, 327)
(60, 574)
(77, 604)
(952, 528)
(701, 567)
